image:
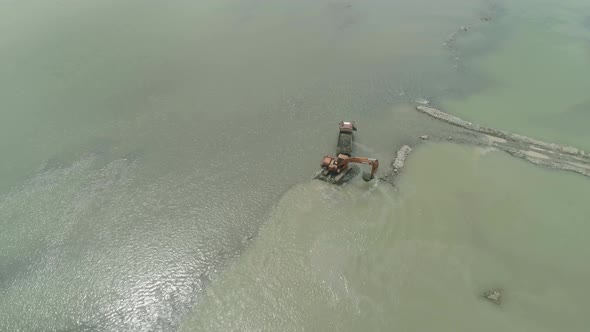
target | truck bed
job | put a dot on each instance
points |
(344, 143)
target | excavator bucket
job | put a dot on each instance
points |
(367, 176)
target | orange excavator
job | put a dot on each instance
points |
(336, 169)
(339, 165)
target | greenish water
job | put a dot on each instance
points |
(538, 77)
(156, 164)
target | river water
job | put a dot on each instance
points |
(156, 165)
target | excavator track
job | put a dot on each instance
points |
(338, 179)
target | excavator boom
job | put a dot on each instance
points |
(367, 161)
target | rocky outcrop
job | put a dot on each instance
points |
(400, 158)
(397, 164)
(550, 155)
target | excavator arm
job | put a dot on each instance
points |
(367, 161)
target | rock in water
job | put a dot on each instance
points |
(494, 296)
(400, 159)
(397, 164)
(424, 137)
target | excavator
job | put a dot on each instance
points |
(336, 169)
